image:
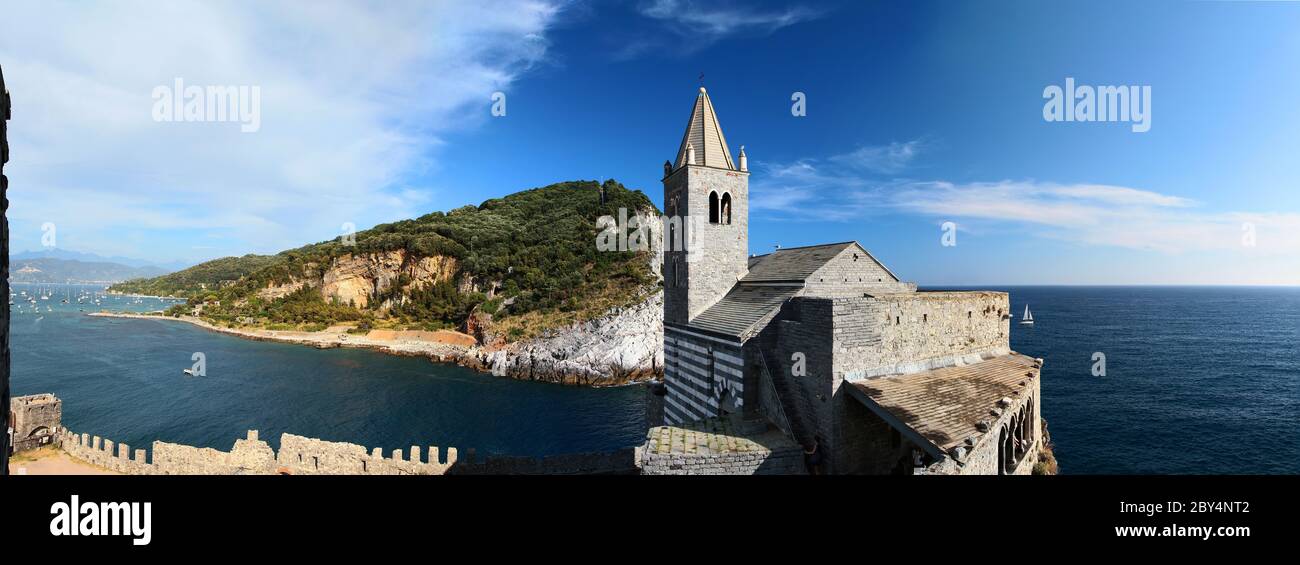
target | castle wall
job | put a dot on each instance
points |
(309, 456)
(36, 420)
(104, 453)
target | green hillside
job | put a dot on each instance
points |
(539, 245)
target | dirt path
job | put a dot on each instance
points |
(51, 461)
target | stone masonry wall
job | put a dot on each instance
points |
(36, 420)
(852, 273)
(982, 458)
(786, 461)
(802, 331)
(866, 444)
(720, 250)
(104, 453)
(309, 456)
(907, 332)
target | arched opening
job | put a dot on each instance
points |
(1033, 422)
(725, 215)
(1002, 452)
(713, 207)
(1024, 429)
(39, 431)
(1017, 445)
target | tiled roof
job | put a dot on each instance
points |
(793, 264)
(742, 308)
(944, 405)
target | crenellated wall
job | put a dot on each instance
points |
(310, 456)
(104, 453)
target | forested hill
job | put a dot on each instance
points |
(530, 256)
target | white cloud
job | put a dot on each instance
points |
(690, 25)
(836, 189)
(887, 159)
(355, 101)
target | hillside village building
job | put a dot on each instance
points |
(823, 345)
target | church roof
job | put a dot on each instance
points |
(772, 279)
(705, 135)
(944, 405)
(795, 264)
(743, 308)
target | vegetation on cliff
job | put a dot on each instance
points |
(529, 259)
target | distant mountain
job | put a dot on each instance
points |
(65, 254)
(48, 270)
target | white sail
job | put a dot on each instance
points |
(1028, 317)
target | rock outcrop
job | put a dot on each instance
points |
(622, 347)
(354, 279)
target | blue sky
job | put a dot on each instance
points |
(917, 114)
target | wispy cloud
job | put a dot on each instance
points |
(356, 100)
(886, 159)
(841, 188)
(686, 26)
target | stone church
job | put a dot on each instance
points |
(822, 347)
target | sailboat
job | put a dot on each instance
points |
(1028, 320)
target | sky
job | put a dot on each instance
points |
(919, 115)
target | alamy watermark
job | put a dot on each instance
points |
(1098, 364)
(633, 232)
(1099, 104)
(180, 103)
(799, 108)
(949, 237)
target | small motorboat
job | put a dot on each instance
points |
(189, 372)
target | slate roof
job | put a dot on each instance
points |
(705, 134)
(742, 308)
(795, 264)
(943, 405)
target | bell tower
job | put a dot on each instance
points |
(706, 201)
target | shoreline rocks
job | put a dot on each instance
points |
(622, 347)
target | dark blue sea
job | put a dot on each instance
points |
(121, 379)
(1198, 380)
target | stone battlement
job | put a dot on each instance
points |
(310, 456)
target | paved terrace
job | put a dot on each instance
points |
(717, 436)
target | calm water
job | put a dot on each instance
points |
(121, 379)
(1198, 380)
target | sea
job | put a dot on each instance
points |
(1196, 380)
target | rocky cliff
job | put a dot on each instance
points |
(624, 346)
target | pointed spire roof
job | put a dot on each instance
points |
(705, 135)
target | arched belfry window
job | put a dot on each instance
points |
(713, 207)
(725, 215)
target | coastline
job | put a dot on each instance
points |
(517, 360)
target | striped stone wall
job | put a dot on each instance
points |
(705, 376)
